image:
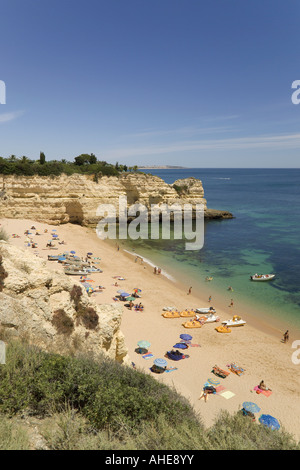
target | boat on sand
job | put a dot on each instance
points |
(236, 321)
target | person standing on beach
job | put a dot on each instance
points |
(155, 270)
(286, 336)
(231, 303)
(209, 298)
(190, 291)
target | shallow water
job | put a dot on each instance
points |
(262, 238)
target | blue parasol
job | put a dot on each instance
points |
(180, 346)
(144, 344)
(250, 406)
(73, 252)
(269, 421)
(160, 362)
(186, 337)
(120, 291)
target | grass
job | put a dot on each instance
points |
(84, 404)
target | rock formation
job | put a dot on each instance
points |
(75, 198)
(43, 306)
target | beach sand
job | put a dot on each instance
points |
(256, 347)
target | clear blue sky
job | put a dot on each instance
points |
(184, 82)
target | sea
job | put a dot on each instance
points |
(263, 237)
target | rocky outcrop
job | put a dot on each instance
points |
(43, 306)
(75, 198)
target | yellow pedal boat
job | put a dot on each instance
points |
(187, 313)
(172, 314)
(223, 329)
(192, 324)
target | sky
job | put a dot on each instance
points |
(152, 82)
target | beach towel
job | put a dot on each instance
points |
(235, 369)
(213, 381)
(220, 388)
(171, 369)
(227, 395)
(266, 393)
(148, 355)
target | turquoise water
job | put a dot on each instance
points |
(262, 238)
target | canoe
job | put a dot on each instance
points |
(262, 277)
(173, 314)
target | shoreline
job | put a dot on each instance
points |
(256, 349)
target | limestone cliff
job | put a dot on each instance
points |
(75, 199)
(42, 305)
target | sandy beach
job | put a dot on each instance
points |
(256, 347)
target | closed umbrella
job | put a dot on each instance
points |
(160, 362)
(250, 406)
(269, 421)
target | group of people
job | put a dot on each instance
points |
(157, 270)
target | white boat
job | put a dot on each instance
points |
(262, 277)
(236, 321)
(210, 318)
(205, 310)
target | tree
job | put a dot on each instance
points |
(93, 159)
(42, 158)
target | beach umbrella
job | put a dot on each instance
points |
(120, 291)
(186, 337)
(89, 253)
(180, 346)
(124, 294)
(136, 289)
(269, 421)
(130, 298)
(160, 362)
(144, 344)
(54, 230)
(250, 406)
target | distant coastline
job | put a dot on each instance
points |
(161, 167)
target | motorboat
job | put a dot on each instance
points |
(205, 310)
(211, 318)
(262, 277)
(236, 321)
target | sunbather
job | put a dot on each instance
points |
(262, 386)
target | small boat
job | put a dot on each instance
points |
(192, 324)
(187, 313)
(211, 318)
(53, 257)
(205, 310)
(236, 321)
(223, 329)
(262, 277)
(173, 314)
(75, 271)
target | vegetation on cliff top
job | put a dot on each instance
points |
(103, 405)
(83, 164)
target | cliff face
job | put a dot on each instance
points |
(39, 304)
(75, 198)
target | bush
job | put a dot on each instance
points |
(3, 274)
(63, 323)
